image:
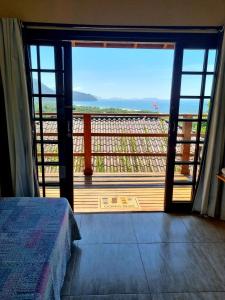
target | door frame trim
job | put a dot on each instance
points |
(35, 33)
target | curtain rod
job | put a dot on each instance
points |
(119, 28)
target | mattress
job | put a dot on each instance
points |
(36, 236)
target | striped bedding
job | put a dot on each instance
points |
(36, 236)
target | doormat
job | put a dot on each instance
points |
(116, 202)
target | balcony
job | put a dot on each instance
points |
(120, 159)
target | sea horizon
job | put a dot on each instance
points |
(187, 106)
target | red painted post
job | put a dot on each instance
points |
(87, 146)
(186, 148)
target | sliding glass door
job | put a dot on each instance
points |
(51, 74)
(191, 100)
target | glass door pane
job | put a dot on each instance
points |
(52, 116)
(191, 99)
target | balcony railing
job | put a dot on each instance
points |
(125, 136)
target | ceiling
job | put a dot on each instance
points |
(117, 12)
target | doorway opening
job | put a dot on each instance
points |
(121, 107)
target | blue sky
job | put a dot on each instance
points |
(123, 73)
(127, 73)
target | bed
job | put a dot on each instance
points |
(36, 236)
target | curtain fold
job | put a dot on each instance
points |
(13, 75)
(210, 195)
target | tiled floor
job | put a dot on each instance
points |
(147, 256)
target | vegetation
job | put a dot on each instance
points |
(203, 128)
(51, 108)
(95, 109)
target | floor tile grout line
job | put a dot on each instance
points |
(188, 231)
(133, 229)
(146, 277)
(188, 292)
(111, 294)
(150, 243)
(149, 293)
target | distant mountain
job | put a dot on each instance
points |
(85, 97)
(44, 88)
(77, 96)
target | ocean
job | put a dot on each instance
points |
(187, 106)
